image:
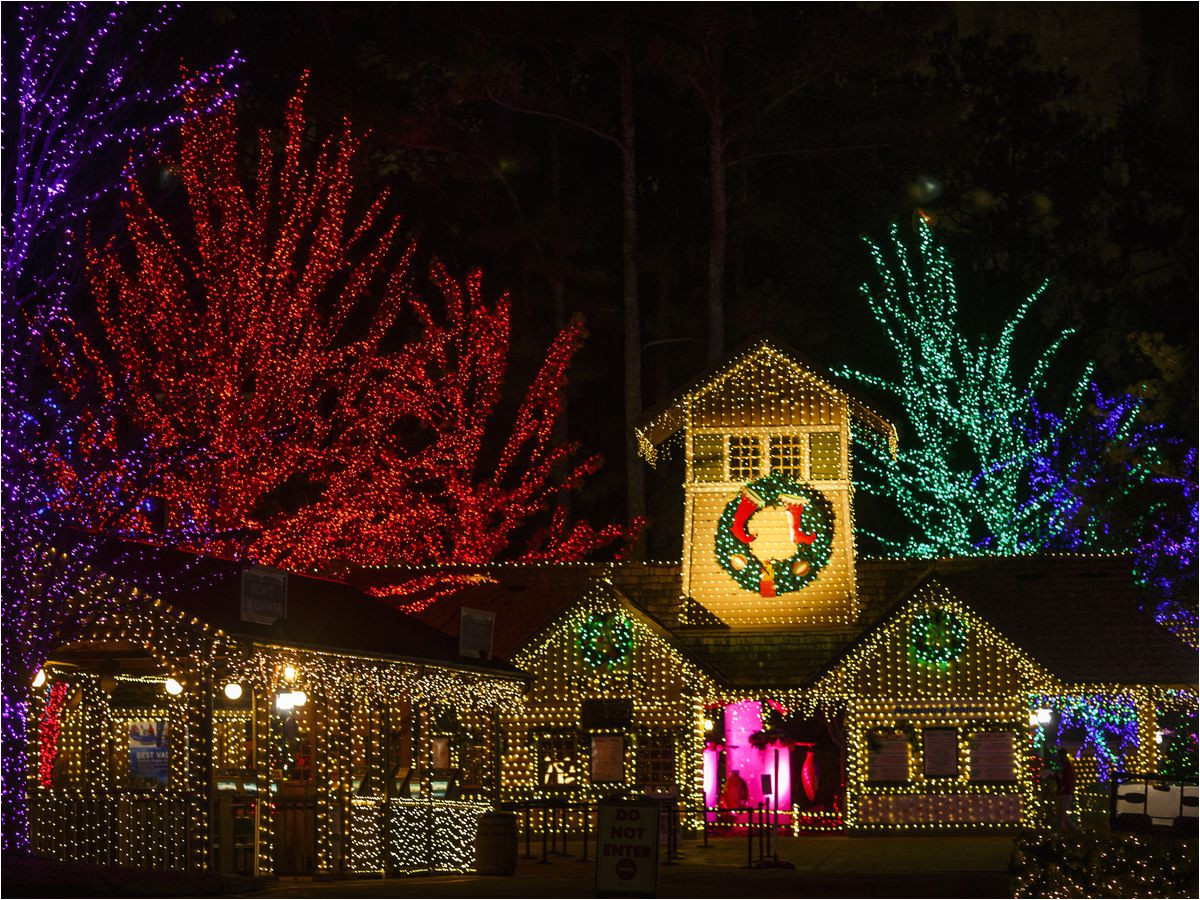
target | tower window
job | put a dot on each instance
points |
(745, 458)
(708, 457)
(787, 455)
(825, 456)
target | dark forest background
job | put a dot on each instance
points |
(758, 142)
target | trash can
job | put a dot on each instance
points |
(496, 844)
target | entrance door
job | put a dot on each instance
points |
(295, 830)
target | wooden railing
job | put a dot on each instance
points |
(143, 829)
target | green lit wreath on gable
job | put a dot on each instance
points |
(796, 549)
(605, 639)
(937, 637)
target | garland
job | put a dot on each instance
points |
(938, 637)
(605, 639)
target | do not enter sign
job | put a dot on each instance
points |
(627, 850)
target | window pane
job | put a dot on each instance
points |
(825, 456)
(708, 457)
(787, 455)
(656, 761)
(744, 458)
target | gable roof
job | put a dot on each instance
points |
(322, 614)
(1078, 616)
(531, 599)
(663, 419)
(1078, 621)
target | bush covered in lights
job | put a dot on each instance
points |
(1102, 865)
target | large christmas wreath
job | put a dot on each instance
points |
(605, 639)
(937, 637)
(809, 536)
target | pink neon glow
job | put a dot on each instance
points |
(711, 787)
(743, 719)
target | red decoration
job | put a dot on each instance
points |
(748, 505)
(48, 731)
(261, 350)
(795, 509)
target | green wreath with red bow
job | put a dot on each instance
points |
(810, 518)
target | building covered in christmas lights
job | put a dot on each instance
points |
(775, 666)
(267, 724)
(257, 723)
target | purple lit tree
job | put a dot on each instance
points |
(1124, 483)
(76, 115)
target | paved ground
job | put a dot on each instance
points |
(834, 866)
(824, 867)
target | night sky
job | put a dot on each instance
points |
(1047, 140)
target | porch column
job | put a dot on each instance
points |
(1147, 724)
(261, 706)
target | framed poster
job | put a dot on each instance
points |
(887, 757)
(608, 758)
(439, 753)
(940, 757)
(149, 751)
(474, 767)
(992, 756)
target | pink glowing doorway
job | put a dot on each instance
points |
(750, 762)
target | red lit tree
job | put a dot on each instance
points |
(262, 346)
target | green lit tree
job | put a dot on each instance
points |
(973, 433)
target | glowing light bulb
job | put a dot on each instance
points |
(40, 678)
(173, 687)
(289, 673)
(233, 691)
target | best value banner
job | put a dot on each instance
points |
(149, 743)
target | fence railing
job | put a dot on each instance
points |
(1139, 802)
(410, 836)
(141, 829)
(554, 828)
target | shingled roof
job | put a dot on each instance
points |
(1082, 619)
(524, 597)
(1080, 616)
(322, 614)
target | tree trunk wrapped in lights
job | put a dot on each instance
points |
(264, 346)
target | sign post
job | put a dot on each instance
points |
(627, 850)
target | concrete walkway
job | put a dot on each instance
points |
(834, 866)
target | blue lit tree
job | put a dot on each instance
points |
(75, 116)
(1130, 486)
